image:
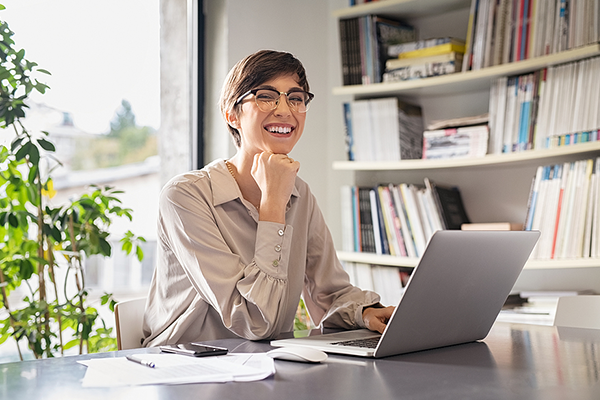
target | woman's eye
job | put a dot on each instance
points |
(295, 98)
(266, 96)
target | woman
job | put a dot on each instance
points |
(242, 239)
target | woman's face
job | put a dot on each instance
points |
(275, 131)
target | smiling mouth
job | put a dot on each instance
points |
(283, 130)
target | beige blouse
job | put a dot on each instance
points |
(222, 273)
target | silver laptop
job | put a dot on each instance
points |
(453, 296)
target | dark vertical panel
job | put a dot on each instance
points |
(199, 75)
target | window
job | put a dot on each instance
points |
(102, 111)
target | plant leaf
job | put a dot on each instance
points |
(23, 151)
(13, 220)
(46, 145)
(140, 253)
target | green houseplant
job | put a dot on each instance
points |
(37, 240)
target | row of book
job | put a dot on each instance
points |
(564, 207)
(547, 108)
(384, 129)
(363, 43)
(387, 281)
(504, 31)
(399, 219)
(424, 58)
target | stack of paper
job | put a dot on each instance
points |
(177, 369)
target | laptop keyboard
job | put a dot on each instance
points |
(369, 343)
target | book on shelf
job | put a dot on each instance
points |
(387, 281)
(395, 51)
(419, 71)
(365, 223)
(462, 142)
(394, 63)
(398, 219)
(450, 205)
(349, 135)
(384, 129)
(414, 215)
(364, 42)
(458, 122)
(466, 65)
(405, 228)
(555, 106)
(504, 31)
(435, 50)
(382, 245)
(492, 226)
(563, 206)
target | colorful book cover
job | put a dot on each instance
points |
(431, 51)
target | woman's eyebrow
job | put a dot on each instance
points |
(290, 90)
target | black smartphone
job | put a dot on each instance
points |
(194, 349)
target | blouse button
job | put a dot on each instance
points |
(278, 247)
(275, 263)
(280, 232)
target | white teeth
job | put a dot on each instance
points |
(279, 129)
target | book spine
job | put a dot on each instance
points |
(470, 34)
(348, 129)
(409, 243)
(379, 238)
(344, 49)
(533, 196)
(366, 221)
(356, 220)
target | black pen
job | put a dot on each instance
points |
(145, 363)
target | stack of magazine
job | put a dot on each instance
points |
(424, 58)
(456, 138)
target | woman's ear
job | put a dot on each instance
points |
(232, 120)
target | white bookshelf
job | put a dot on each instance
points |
(512, 171)
(405, 8)
(467, 81)
(525, 157)
(370, 258)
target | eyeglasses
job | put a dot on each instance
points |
(268, 99)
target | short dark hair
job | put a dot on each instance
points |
(252, 71)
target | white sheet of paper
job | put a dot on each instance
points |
(177, 369)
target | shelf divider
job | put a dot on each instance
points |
(464, 82)
(393, 261)
(490, 159)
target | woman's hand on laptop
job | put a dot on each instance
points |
(376, 317)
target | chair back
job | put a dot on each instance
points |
(129, 315)
(578, 312)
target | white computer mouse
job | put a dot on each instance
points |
(301, 354)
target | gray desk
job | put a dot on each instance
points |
(513, 362)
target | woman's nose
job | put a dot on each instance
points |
(283, 107)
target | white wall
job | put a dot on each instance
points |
(304, 29)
